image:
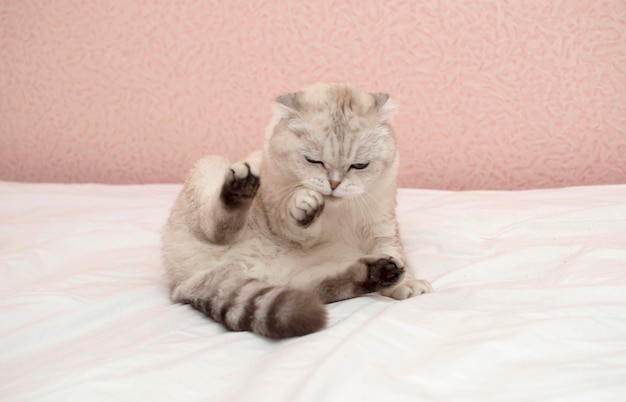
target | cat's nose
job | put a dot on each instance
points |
(334, 184)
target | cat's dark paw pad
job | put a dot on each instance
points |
(306, 205)
(382, 272)
(240, 184)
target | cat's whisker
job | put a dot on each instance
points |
(374, 200)
(287, 190)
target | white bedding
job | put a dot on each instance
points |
(529, 305)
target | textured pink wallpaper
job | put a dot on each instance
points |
(492, 94)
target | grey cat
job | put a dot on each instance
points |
(261, 244)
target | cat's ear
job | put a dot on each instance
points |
(288, 105)
(383, 105)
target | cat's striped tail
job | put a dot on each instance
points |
(245, 304)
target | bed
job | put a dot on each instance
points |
(529, 305)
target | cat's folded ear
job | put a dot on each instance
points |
(288, 105)
(383, 105)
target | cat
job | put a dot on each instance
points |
(261, 244)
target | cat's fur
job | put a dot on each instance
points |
(261, 244)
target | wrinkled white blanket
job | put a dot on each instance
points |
(529, 305)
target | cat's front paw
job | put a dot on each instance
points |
(305, 206)
(409, 288)
(382, 272)
(240, 184)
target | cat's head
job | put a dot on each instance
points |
(333, 138)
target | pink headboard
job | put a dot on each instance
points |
(491, 94)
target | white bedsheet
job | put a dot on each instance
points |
(529, 305)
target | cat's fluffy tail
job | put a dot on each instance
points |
(244, 304)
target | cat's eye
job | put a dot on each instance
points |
(313, 161)
(359, 166)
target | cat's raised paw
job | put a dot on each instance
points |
(382, 272)
(306, 205)
(240, 184)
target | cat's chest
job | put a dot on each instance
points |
(343, 226)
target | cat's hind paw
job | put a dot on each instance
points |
(306, 205)
(240, 184)
(382, 272)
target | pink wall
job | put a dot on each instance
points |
(492, 94)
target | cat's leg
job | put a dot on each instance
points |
(305, 207)
(223, 206)
(368, 274)
(240, 186)
(390, 244)
(296, 217)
